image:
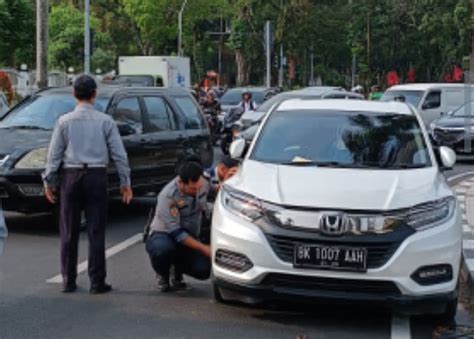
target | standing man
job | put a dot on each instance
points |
(80, 147)
(176, 227)
(247, 104)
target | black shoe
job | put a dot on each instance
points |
(69, 288)
(179, 285)
(100, 289)
(163, 284)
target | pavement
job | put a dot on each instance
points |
(31, 305)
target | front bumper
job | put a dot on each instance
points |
(455, 139)
(23, 194)
(440, 245)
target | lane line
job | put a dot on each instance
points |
(400, 327)
(461, 175)
(82, 267)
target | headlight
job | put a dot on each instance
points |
(432, 214)
(35, 159)
(241, 204)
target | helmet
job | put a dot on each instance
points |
(357, 89)
(247, 92)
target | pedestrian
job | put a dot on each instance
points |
(79, 153)
(3, 229)
(174, 231)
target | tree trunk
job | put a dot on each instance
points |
(242, 68)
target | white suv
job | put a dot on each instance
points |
(340, 200)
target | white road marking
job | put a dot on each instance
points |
(401, 327)
(461, 175)
(82, 267)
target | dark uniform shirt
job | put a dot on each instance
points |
(178, 214)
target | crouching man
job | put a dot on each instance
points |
(172, 240)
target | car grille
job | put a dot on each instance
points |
(448, 136)
(277, 280)
(377, 253)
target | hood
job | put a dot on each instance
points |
(19, 141)
(452, 122)
(347, 189)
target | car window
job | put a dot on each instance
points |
(127, 112)
(433, 100)
(158, 114)
(42, 111)
(411, 97)
(194, 119)
(342, 139)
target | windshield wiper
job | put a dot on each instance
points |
(28, 127)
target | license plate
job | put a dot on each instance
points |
(330, 257)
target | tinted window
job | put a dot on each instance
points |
(232, 97)
(342, 139)
(191, 111)
(433, 100)
(411, 97)
(159, 114)
(43, 111)
(128, 113)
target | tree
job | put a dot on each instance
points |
(66, 31)
(17, 29)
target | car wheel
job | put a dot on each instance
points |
(218, 295)
(447, 318)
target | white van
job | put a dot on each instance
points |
(432, 100)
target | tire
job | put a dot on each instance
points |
(448, 317)
(217, 294)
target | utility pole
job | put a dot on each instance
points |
(87, 37)
(180, 28)
(268, 49)
(42, 14)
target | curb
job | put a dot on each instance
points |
(463, 185)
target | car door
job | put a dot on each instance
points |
(431, 107)
(164, 140)
(198, 138)
(127, 112)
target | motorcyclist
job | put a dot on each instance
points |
(212, 104)
(247, 104)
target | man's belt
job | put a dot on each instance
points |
(84, 166)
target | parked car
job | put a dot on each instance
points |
(351, 205)
(160, 127)
(431, 100)
(4, 107)
(455, 128)
(233, 97)
(249, 122)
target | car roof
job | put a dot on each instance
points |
(109, 90)
(424, 86)
(251, 89)
(346, 105)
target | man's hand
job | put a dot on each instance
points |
(50, 194)
(127, 194)
(206, 250)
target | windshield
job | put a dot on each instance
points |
(234, 96)
(342, 139)
(42, 111)
(411, 97)
(466, 110)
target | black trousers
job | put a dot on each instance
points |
(83, 190)
(164, 252)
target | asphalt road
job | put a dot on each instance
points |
(31, 307)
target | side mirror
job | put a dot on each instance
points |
(125, 130)
(447, 157)
(237, 148)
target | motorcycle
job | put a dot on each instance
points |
(230, 127)
(213, 123)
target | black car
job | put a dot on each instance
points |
(159, 127)
(454, 128)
